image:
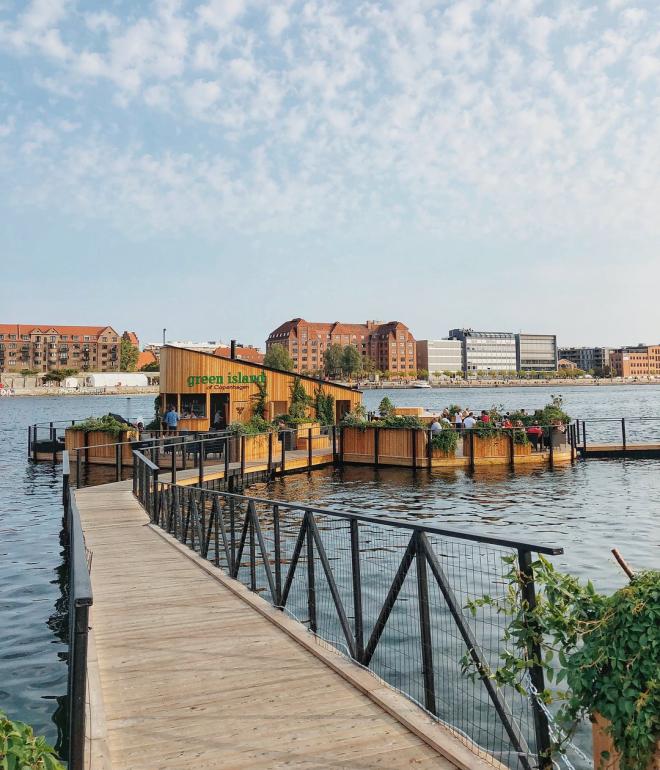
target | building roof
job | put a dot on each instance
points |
(145, 358)
(244, 353)
(337, 327)
(132, 338)
(57, 329)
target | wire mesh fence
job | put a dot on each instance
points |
(390, 595)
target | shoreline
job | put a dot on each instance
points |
(56, 392)
(510, 384)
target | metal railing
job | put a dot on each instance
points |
(621, 431)
(390, 594)
(80, 600)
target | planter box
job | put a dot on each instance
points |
(440, 454)
(256, 447)
(603, 742)
(101, 455)
(493, 446)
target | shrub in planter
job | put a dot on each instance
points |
(21, 749)
(105, 424)
(401, 421)
(605, 648)
(386, 407)
(445, 441)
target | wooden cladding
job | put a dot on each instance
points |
(188, 371)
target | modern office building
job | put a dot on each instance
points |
(536, 352)
(587, 358)
(47, 348)
(440, 356)
(486, 351)
(390, 346)
(639, 361)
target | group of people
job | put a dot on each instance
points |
(465, 419)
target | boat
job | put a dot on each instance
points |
(420, 384)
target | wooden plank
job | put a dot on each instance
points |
(194, 677)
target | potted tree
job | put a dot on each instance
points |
(603, 648)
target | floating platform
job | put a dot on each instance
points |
(604, 451)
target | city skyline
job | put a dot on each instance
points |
(217, 167)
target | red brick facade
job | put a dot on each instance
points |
(635, 362)
(390, 346)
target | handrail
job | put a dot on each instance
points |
(550, 550)
(80, 600)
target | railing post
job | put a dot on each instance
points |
(77, 685)
(541, 730)
(357, 590)
(270, 453)
(376, 446)
(200, 463)
(184, 459)
(227, 446)
(551, 438)
(135, 472)
(232, 536)
(173, 447)
(311, 584)
(154, 494)
(413, 433)
(512, 449)
(584, 437)
(242, 456)
(471, 434)
(278, 553)
(425, 626)
(309, 449)
(253, 554)
(429, 448)
(78, 470)
(623, 432)
(341, 444)
(283, 459)
(118, 451)
(334, 443)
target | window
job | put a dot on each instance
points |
(75, 337)
(193, 405)
(86, 338)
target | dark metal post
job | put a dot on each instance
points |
(425, 627)
(34, 443)
(309, 448)
(311, 584)
(78, 683)
(376, 446)
(551, 438)
(227, 445)
(86, 439)
(78, 470)
(53, 440)
(357, 590)
(413, 433)
(118, 451)
(232, 535)
(623, 432)
(471, 434)
(29, 440)
(278, 555)
(584, 437)
(154, 494)
(184, 459)
(283, 460)
(173, 447)
(543, 743)
(200, 464)
(270, 454)
(429, 448)
(341, 444)
(242, 456)
(253, 556)
(334, 443)
(512, 449)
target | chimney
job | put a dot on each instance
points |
(232, 352)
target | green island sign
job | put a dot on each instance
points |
(219, 379)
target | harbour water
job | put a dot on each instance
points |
(586, 508)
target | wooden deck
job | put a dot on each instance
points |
(618, 450)
(188, 669)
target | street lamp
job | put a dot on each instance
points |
(164, 330)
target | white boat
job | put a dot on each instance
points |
(420, 384)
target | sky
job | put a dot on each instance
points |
(219, 167)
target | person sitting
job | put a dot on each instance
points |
(435, 427)
(506, 422)
(485, 417)
(469, 421)
(458, 420)
(535, 434)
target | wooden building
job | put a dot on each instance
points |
(201, 385)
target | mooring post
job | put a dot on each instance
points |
(623, 432)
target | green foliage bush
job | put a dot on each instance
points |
(277, 357)
(20, 749)
(252, 427)
(300, 401)
(324, 404)
(105, 424)
(606, 649)
(446, 440)
(386, 407)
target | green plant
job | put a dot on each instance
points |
(29, 372)
(401, 421)
(351, 360)
(446, 440)
(153, 366)
(277, 357)
(260, 400)
(20, 749)
(422, 374)
(520, 437)
(552, 412)
(606, 649)
(105, 424)
(454, 409)
(386, 407)
(324, 404)
(251, 427)
(357, 418)
(300, 401)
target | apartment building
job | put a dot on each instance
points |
(388, 346)
(639, 361)
(440, 356)
(587, 358)
(46, 348)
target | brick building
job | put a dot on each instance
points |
(45, 348)
(242, 352)
(639, 361)
(389, 346)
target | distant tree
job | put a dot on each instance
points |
(351, 360)
(333, 359)
(386, 407)
(277, 357)
(29, 372)
(128, 356)
(153, 366)
(422, 374)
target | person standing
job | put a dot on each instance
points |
(171, 420)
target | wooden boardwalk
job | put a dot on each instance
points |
(188, 669)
